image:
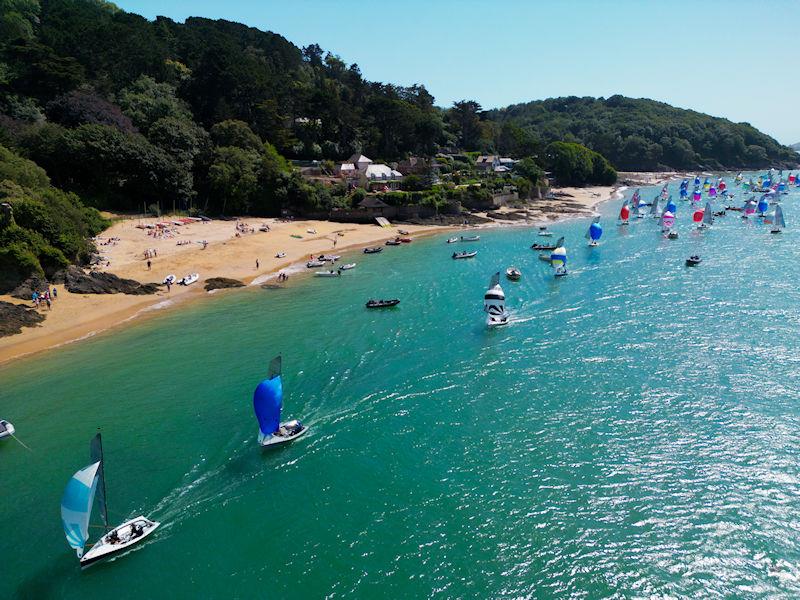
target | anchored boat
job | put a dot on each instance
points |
(460, 255)
(267, 404)
(6, 429)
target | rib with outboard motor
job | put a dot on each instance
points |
(267, 404)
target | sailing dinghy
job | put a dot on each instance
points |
(267, 404)
(77, 502)
(595, 232)
(494, 303)
(778, 223)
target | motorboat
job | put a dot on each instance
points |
(313, 264)
(264, 227)
(312, 231)
(470, 238)
(6, 429)
(560, 242)
(395, 242)
(513, 274)
(374, 250)
(267, 404)
(347, 267)
(460, 255)
(403, 232)
(280, 255)
(382, 303)
(169, 279)
(330, 273)
(544, 232)
(405, 240)
(190, 279)
(328, 257)
(77, 502)
(693, 261)
(452, 240)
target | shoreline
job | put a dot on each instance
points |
(76, 317)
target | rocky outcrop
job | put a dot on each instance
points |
(34, 283)
(13, 317)
(221, 283)
(97, 282)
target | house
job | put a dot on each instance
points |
(381, 176)
(373, 205)
(360, 161)
(487, 163)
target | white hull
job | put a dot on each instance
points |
(593, 244)
(327, 274)
(190, 279)
(9, 430)
(282, 439)
(347, 267)
(497, 320)
(169, 279)
(104, 548)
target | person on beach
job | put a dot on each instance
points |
(55, 293)
(48, 303)
(148, 265)
(256, 264)
(169, 286)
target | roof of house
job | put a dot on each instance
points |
(372, 202)
(347, 167)
(359, 158)
(501, 169)
(381, 172)
(507, 161)
(486, 159)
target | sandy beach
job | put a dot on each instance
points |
(123, 245)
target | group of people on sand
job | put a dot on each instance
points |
(44, 298)
(282, 277)
(243, 228)
(151, 253)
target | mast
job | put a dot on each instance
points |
(96, 455)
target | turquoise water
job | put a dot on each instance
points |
(634, 432)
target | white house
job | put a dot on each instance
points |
(359, 167)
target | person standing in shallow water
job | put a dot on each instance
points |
(256, 264)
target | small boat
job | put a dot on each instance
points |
(6, 429)
(494, 303)
(403, 232)
(693, 261)
(778, 222)
(267, 404)
(328, 257)
(405, 240)
(558, 260)
(672, 235)
(452, 240)
(169, 279)
(595, 232)
(382, 303)
(544, 232)
(264, 228)
(189, 279)
(347, 267)
(313, 264)
(374, 250)
(513, 273)
(77, 502)
(460, 255)
(470, 238)
(330, 273)
(395, 242)
(548, 246)
(280, 255)
(311, 231)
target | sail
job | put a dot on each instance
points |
(697, 216)
(667, 219)
(708, 215)
(76, 506)
(595, 230)
(560, 241)
(495, 280)
(654, 206)
(624, 212)
(559, 257)
(763, 204)
(267, 403)
(494, 300)
(779, 221)
(96, 455)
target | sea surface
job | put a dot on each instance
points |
(635, 431)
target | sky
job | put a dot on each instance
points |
(728, 58)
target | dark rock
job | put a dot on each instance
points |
(508, 216)
(221, 283)
(97, 282)
(13, 317)
(34, 283)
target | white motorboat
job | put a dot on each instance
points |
(313, 264)
(169, 279)
(494, 303)
(347, 267)
(513, 274)
(327, 274)
(77, 503)
(544, 232)
(280, 255)
(452, 240)
(460, 255)
(190, 279)
(470, 238)
(312, 231)
(267, 404)
(328, 257)
(6, 429)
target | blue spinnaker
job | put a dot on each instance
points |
(267, 403)
(595, 231)
(76, 506)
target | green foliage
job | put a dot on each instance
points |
(235, 133)
(146, 101)
(641, 134)
(573, 164)
(17, 18)
(530, 170)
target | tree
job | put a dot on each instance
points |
(17, 18)
(80, 107)
(528, 169)
(146, 101)
(235, 133)
(465, 115)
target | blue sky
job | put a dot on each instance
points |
(733, 58)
